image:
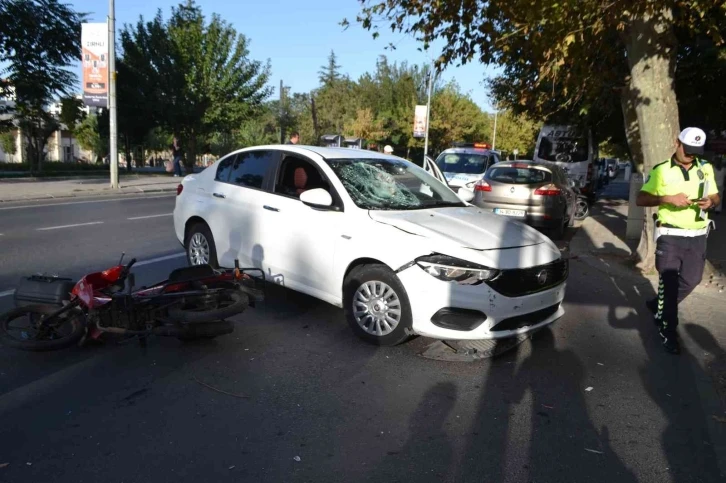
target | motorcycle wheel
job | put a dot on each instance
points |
(229, 303)
(582, 209)
(56, 333)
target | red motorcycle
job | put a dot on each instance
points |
(193, 303)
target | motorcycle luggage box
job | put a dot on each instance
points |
(40, 289)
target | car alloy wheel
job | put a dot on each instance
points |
(376, 308)
(198, 249)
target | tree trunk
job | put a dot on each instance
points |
(651, 48)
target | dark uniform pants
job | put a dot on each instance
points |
(680, 262)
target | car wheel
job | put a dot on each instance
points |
(582, 209)
(376, 305)
(200, 246)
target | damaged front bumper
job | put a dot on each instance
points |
(450, 311)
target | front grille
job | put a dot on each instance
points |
(525, 281)
(526, 320)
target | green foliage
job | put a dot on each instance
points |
(516, 132)
(71, 112)
(39, 40)
(195, 74)
(89, 137)
(8, 142)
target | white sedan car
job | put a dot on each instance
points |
(396, 248)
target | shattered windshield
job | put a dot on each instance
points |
(388, 184)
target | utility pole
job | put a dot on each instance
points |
(494, 136)
(113, 130)
(282, 113)
(428, 110)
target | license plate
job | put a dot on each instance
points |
(505, 212)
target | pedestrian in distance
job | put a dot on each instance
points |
(388, 149)
(683, 188)
(294, 138)
(176, 153)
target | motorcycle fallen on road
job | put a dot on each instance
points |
(193, 303)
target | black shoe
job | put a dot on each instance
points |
(653, 307)
(670, 343)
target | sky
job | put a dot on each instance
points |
(297, 38)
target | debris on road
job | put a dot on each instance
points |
(589, 389)
(29, 464)
(594, 451)
(297, 458)
(241, 396)
(548, 407)
(720, 419)
(231, 467)
(600, 364)
(3, 465)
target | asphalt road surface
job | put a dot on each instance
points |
(293, 396)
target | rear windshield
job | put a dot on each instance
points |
(564, 150)
(463, 163)
(511, 175)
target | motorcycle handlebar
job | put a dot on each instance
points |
(130, 264)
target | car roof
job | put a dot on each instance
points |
(468, 151)
(542, 164)
(325, 152)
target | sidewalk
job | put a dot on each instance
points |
(601, 241)
(33, 189)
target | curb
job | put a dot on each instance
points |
(89, 194)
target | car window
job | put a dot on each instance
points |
(298, 175)
(514, 175)
(249, 169)
(466, 163)
(224, 168)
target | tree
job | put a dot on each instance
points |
(584, 51)
(330, 73)
(455, 118)
(38, 43)
(366, 126)
(71, 114)
(89, 137)
(516, 132)
(8, 142)
(197, 74)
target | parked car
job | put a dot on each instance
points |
(466, 163)
(375, 234)
(538, 194)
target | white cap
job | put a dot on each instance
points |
(693, 140)
(388, 149)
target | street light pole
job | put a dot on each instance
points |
(428, 110)
(494, 136)
(113, 132)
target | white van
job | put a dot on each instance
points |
(574, 150)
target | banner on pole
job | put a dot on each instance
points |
(419, 122)
(94, 61)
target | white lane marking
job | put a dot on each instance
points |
(148, 216)
(83, 202)
(69, 226)
(138, 264)
(160, 259)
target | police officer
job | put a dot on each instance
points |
(684, 189)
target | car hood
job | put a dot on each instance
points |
(465, 227)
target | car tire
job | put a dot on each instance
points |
(378, 280)
(199, 246)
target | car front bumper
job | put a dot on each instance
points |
(449, 311)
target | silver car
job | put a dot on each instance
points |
(536, 193)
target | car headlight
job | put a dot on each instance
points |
(450, 269)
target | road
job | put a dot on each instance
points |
(293, 396)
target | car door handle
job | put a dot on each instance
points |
(271, 208)
(218, 195)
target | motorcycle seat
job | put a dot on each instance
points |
(188, 274)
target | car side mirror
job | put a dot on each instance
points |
(465, 194)
(317, 198)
